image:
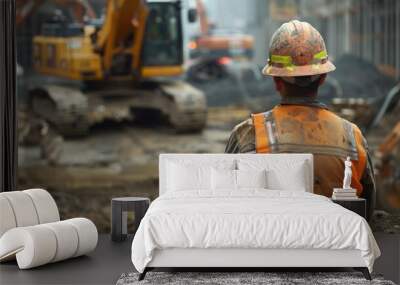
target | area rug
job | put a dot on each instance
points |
(243, 278)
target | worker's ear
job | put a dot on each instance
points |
(278, 84)
(322, 79)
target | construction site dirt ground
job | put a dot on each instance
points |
(122, 160)
(117, 160)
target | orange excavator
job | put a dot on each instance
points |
(212, 43)
(212, 49)
(126, 65)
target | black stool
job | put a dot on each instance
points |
(119, 215)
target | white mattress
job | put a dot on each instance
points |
(253, 219)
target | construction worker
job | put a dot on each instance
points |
(298, 62)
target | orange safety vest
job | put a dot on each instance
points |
(306, 129)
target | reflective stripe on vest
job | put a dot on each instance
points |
(304, 129)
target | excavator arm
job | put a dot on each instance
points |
(78, 8)
(122, 33)
(203, 19)
(25, 8)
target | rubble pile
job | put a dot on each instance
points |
(385, 222)
(238, 86)
(359, 78)
(355, 77)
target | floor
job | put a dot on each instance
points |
(104, 266)
(110, 260)
(389, 262)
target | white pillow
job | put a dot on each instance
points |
(280, 174)
(251, 178)
(227, 179)
(186, 178)
(223, 179)
(188, 175)
(291, 179)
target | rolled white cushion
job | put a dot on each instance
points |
(87, 235)
(7, 218)
(23, 208)
(45, 205)
(41, 244)
(67, 240)
(33, 246)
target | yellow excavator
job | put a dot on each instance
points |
(125, 66)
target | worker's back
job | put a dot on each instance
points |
(306, 129)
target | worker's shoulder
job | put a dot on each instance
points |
(247, 126)
(242, 138)
(355, 128)
(244, 127)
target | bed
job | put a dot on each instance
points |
(247, 210)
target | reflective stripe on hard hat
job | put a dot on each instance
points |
(321, 55)
(283, 59)
(286, 60)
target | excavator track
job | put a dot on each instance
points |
(188, 111)
(188, 122)
(64, 108)
(72, 112)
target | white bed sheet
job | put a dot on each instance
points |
(250, 219)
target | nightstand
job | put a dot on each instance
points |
(119, 215)
(357, 205)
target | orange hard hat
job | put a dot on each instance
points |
(297, 49)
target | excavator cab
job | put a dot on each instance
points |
(162, 43)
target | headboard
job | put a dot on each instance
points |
(198, 158)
